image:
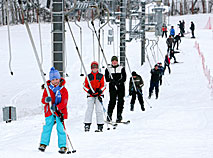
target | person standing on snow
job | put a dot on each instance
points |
(172, 31)
(116, 76)
(161, 69)
(57, 112)
(94, 98)
(176, 40)
(154, 82)
(192, 28)
(167, 63)
(138, 85)
(164, 30)
(169, 43)
(172, 55)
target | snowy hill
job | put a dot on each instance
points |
(179, 124)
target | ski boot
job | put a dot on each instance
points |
(119, 119)
(62, 150)
(87, 127)
(142, 108)
(131, 107)
(100, 128)
(42, 147)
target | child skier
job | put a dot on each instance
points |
(138, 85)
(98, 85)
(57, 112)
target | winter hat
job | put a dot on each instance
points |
(114, 58)
(156, 65)
(134, 73)
(54, 74)
(94, 64)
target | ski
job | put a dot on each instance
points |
(178, 62)
(114, 124)
(97, 130)
(124, 122)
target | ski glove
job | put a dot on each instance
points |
(90, 92)
(48, 99)
(99, 91)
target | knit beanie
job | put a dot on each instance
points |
(114, 58)
(54, 74)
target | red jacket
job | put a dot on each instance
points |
(96, 80)
(62, 107)
(164, 28)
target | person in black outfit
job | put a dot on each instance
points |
(116, 76)
(181, 26)
(192, 28)
(169, 42)
(161, 69)
(138, 82)
(176, 40)
(172, 55)
(154, 82)
(167, 63)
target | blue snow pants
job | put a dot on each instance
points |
(47, 129)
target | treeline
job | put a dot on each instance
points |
(183, 7)
(32, 9)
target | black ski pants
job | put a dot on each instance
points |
(164, 32)
(154, 85)
(140, 98)
(167, 65)
(112, 102)
(172, 56)
(175, 44)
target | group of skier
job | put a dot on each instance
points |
(55, 95)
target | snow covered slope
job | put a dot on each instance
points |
(179, 124)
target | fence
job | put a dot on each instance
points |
(206, 69)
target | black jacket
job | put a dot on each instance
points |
(192, 26)
(169, 41)
(177, 38)
(155, 75)
(118, 77)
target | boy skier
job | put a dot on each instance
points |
(57, 112)
(98, 85)
(138, 85)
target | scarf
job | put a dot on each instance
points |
(56, 91)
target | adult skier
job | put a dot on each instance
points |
(172, 55)
(116, 76)
(192, 28)
(96, 80)
(172, 31)
(154, 82)
(161, 69)
(181, 26)
(176, 40)
(167, 63)
(164, 30)
(57, 112)
(132, 92)
(169, 42)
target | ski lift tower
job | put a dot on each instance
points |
(58, 36)
(159, 17)
(123, 32)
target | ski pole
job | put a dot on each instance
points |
(9, 41)
(36, 54)
(73, 150)
(145, 99)
(79, 55)
(105, 114)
